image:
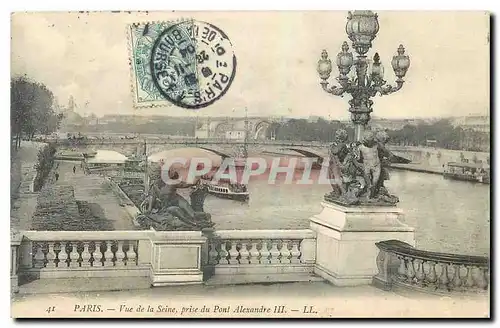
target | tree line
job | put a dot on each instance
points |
(31, 110)
(160, 127)
(442, 133)
(304, 130)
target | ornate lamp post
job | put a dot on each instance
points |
(362, 28)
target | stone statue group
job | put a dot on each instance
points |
(164, 209)
(358, 170)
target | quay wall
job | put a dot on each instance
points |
(434, 160)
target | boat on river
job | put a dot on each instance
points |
(474, 172)
(231, 191)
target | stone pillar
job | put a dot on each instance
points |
(15, 242)
(176, 257)
(345, 250)
(144, 252)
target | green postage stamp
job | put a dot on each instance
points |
(188, 63)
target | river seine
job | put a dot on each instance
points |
(449, 216)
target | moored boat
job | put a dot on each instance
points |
(229, 191)
(474, 172)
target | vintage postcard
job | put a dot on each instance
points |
(307, 164)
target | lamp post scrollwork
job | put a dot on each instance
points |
(362, 28)
(358, 169)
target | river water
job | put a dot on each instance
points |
(449, 216)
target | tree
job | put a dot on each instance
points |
(302, 130)
(442, 131)
(273, 130)
(22, 96)
(31, 109)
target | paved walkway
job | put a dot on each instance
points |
(23, 201)
(305, 299)
(97, 191)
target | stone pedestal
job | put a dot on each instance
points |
(346, 236)
(176, 258)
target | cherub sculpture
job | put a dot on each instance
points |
(372, 166)
(358, 170)
(337, 153)
(386, 157)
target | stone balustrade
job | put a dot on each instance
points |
(262, 255)
(401, 265)
(69, 254)
(226, 257)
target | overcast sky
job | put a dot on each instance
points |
(85, 55)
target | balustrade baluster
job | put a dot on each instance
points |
(212, 254)
(97, 255)
(51, 256)
(402, 269)
(419, 272)
(39, 257)
(457, 281)
(295, 253)
(410, 270)
(86, 255)
(244, 254)
(275, 253)
(131, 255)
(264, 253)
(120, 255)
(443, 278)
(74, 256)
(480, 279)
(428, 270)
(432, 275)
(62, 256)
(469, 281)
(285, 253)
(254, 254)
(223, 253)
(233, 253)
(108, 255)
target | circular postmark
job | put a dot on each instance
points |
(193, 64)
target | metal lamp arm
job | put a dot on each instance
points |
(384, 90)
(334, 90)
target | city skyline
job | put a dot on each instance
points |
(87, 114)
(91, 52)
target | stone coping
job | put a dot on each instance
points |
(363, 208)
(264, 234)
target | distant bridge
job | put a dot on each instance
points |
(222, 147)
(426, 157)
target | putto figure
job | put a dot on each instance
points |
(358, 170)
(337, 153)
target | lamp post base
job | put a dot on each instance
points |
(346, 236)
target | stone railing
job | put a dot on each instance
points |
(241, 256)
(165, 257)
(401, 265)
(70, 254)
